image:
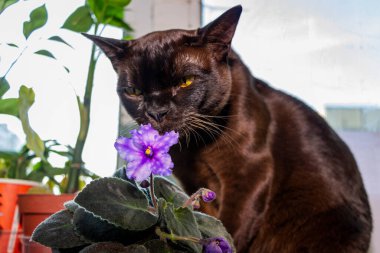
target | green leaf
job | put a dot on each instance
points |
(9, 106)
(118, 202)
(12, 45)
(5, 4)
(95, 229)
(119, 22)
(108, 247)
(212, 227)
(136, 249)
(58, 232)
(167, 190)
(71, 206)
(59, 39)
(33, 141)
(38, 18)
(181, 221)
(45, 53)
(158, 246)
(4, 86)
(80, 20)
(110, 12)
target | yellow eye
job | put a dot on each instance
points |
(187, 81)
(129, 90)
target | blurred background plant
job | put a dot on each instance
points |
(33, 161)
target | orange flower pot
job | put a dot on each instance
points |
(35, 208)
(9, 216)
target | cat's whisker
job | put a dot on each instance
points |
(216, 129)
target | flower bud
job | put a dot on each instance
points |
(145, 184)
(216, 245)
(208, 195)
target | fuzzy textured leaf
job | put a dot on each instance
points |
(59, 39)
(58, 232)
(212, 227)
(38, 18)
(4, 86)
(95, 229)
(158, 246)
(71, 206)
(45, 53)
(80, 20)
(112, 247)
(167, 190)
(181, 221)
(9, 106)
(128, 204)
(33, 141)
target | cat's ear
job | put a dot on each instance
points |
(222, 29)
(114, 49)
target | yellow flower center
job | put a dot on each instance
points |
(148, 151)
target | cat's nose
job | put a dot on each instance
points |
(158, 115)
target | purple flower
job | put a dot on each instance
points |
(208, 195)
(146, 152)
(216, 245)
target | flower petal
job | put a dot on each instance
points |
(148, 135)
(162, 164)
(128, 150)
(164, 142)
(138, 171)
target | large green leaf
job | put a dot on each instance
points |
(33, 141)
(112, 247)
(4, 86)
(110, 12)
(119, 22)
(95, 229)
(118, 202)
(5, 4)
(158, 246)
(45, 53)
(59, 39)
(9, 106)
(181, 221)
(38, 18)
(167, 190)
(58, 232)
(71, 205)
(80, 20)
(212, 227)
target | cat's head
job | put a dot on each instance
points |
(169, 78)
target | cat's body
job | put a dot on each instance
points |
(285, 181)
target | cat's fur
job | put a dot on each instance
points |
(285, 181)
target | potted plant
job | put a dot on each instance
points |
(129, 213)
(94, 15)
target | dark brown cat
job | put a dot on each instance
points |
(285, 181)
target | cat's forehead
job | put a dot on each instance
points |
(166, 51)
(161, 39)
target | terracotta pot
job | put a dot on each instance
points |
(35, 208)
(9, 216)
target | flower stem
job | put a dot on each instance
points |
(14, 62)
(84, 113)
(172, 237)
(153, 197)
(192, 198)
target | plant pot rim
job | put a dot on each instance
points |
(19, 181)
